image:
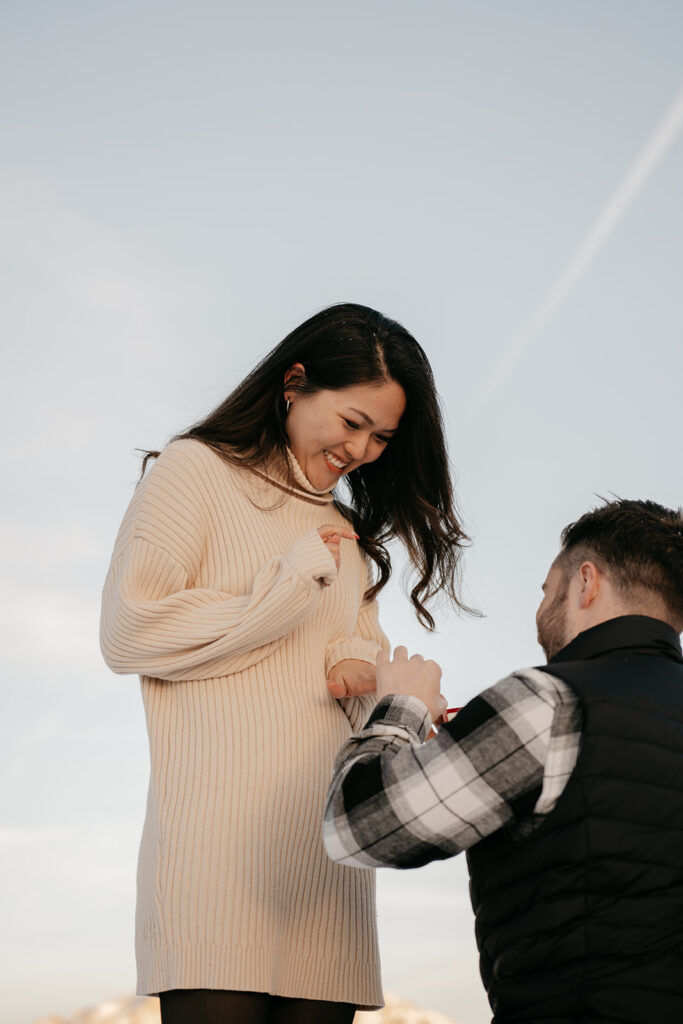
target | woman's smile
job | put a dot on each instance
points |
(359, 420)
(334, 462)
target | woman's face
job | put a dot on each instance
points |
(334, 432)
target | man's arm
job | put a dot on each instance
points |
(397, 801)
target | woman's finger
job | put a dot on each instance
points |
(327, 531)
(337, 688)
(337, 535)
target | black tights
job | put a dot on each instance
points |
(210, 1006)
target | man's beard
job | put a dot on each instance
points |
(552, 624)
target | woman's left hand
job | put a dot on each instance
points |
(352, 678)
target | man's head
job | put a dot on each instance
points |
(624, 558)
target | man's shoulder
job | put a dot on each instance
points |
(524, 683)
(527, 694)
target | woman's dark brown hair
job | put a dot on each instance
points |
(407, 492)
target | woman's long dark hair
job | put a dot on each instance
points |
(407, 492)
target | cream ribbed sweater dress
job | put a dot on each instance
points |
(215, 598)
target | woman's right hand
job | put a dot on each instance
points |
(331, 537)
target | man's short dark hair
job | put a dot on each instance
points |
(639, 544)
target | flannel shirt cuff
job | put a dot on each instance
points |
(407, 713)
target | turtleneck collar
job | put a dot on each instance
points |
(303, 481)
(302, 487)
(638, 634)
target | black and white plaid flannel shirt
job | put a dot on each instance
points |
(502, 762)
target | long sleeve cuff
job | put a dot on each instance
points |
(351, 647)
(406, 713)
(311, 560)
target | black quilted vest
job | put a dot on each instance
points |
(582, 919)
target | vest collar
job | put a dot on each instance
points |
(637, 633)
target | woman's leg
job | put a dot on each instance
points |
(309, 1011)
(212, 1006)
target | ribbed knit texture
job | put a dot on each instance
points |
(216, 597)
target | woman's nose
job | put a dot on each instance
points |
(357, 447)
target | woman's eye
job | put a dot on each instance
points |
(356, 426)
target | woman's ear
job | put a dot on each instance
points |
(297, 372)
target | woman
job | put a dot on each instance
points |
(239, 584)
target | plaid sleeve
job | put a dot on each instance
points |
(397, 801)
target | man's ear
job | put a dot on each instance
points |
(590, 584)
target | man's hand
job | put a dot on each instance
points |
(411, 677)
(352, 678)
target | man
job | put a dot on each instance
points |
(563, 783)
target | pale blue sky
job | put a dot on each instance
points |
(183, 183)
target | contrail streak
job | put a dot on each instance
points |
(652, 152)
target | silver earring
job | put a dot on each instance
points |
(287, 404)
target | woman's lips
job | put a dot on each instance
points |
(335, 469)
